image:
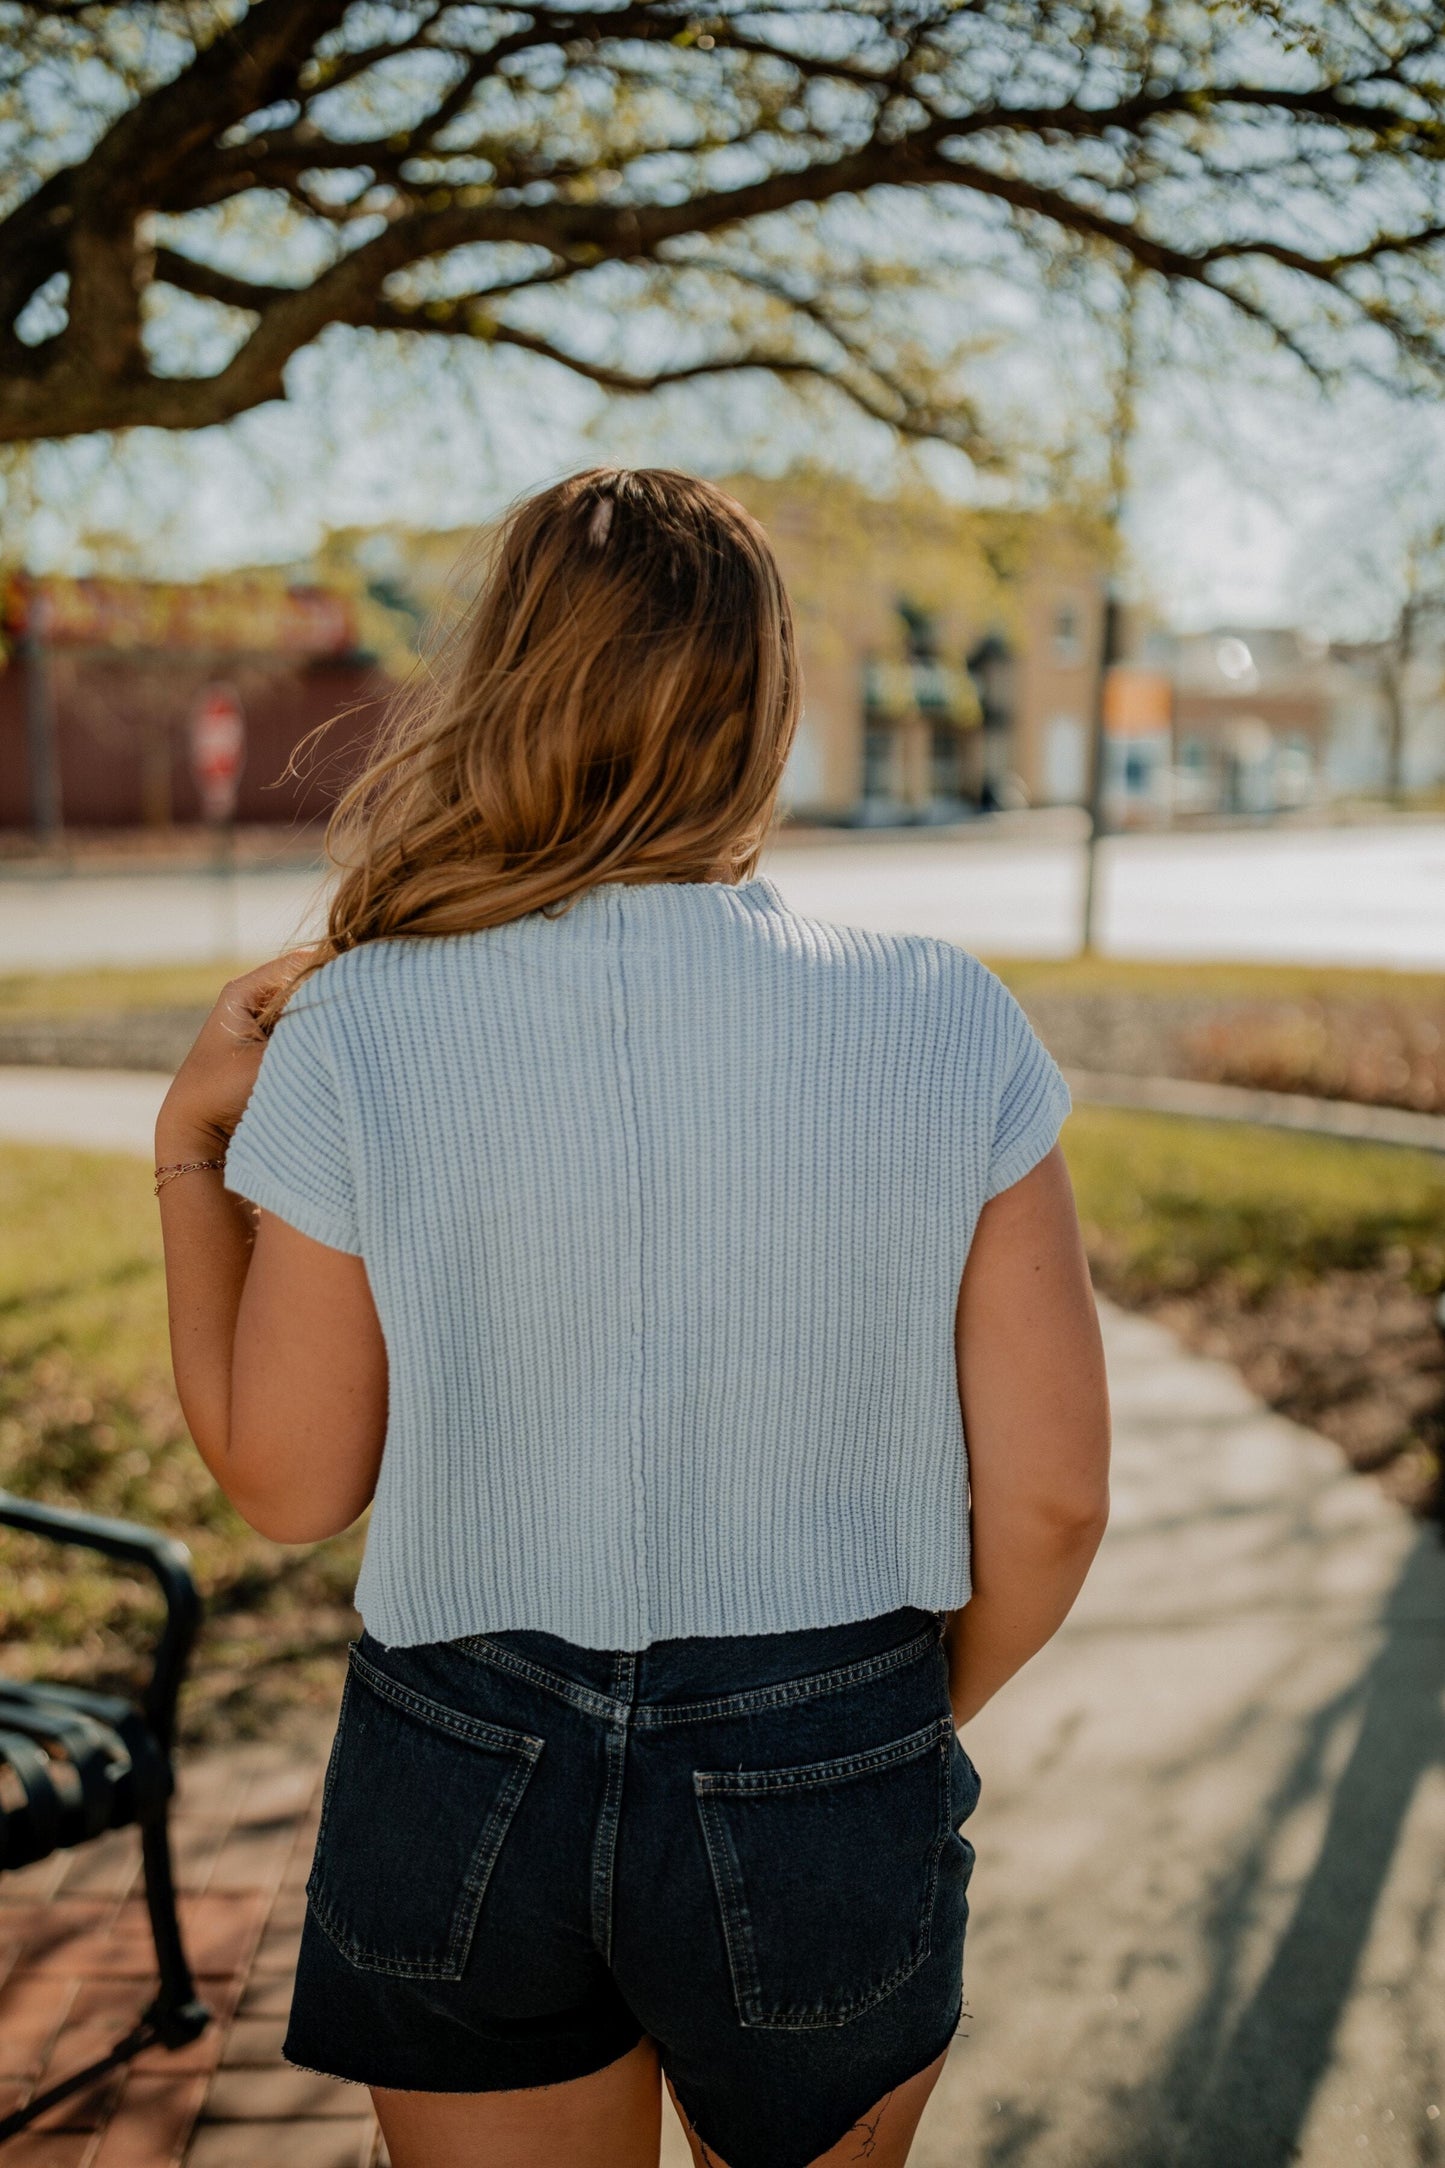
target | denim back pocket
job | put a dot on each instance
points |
(417, 1801)
(826, 1875)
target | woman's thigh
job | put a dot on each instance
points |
(612, 2119)
(882, 2137)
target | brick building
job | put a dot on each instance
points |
(949, 656)
(101, 679)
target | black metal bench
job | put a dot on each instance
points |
(74, 1764)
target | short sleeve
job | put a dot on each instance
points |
(289, 1153)
(1033, 1099)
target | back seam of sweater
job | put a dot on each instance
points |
(632, 1148)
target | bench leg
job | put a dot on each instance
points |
(176, 2012)
(174, 2015)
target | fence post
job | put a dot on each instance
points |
(41, 750)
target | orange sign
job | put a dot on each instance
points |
(1138, 703)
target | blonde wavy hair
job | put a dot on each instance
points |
(617, 704)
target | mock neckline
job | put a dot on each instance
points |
(758, 890)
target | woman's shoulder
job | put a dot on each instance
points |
(940, 992)
(924, 960)
(391, 963)
(342, 1000)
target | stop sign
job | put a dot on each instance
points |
(218, 749)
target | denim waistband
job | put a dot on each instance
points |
(710, 1675)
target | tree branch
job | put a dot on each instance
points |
(915, 107)
(901, 412)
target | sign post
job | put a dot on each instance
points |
(218, 754)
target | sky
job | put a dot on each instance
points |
(1256, 502)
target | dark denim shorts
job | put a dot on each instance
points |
(531, 1855)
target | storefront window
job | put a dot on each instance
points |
(878, 777)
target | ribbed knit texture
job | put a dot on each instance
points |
(664, 1203)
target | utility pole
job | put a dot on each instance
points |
(1121, 431)
(1109, 644)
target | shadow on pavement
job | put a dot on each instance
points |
(1236, 2091)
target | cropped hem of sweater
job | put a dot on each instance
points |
(664, 1203)
(781, 1617)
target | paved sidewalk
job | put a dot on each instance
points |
(75, 1968)
(1209, 1912)
(1209, 1929)
(99, 1110)
(114, 1110)
(1270, 1110)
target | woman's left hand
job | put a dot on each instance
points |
(209, 1092)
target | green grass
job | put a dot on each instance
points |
(88, 1417)
(154, 986)
(174, 985)
(1172, 1206)
(1032, 975)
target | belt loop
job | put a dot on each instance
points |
(624, 1676)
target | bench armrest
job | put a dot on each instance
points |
(164, 1556)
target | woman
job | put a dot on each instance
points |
(668, 1243)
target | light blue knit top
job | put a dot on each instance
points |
(664, 1203)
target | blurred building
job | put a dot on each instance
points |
(949, 663)
(1388, 731)
(102, 677)
(1252, 718)
(1138, 746)
(1268, 720)
(950, 656)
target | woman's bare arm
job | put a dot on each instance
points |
(278, 1356)
(1036, 1417)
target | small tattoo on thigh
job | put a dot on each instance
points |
(867, 2128)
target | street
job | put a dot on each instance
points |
(1366, 895)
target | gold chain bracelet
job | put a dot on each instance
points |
(185, 1166)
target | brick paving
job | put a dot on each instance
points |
(76, 1965)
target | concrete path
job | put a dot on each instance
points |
(1270, 1110)
(1368, 895)
(1209, 1911)
(107, 1110)
(115, 1109)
